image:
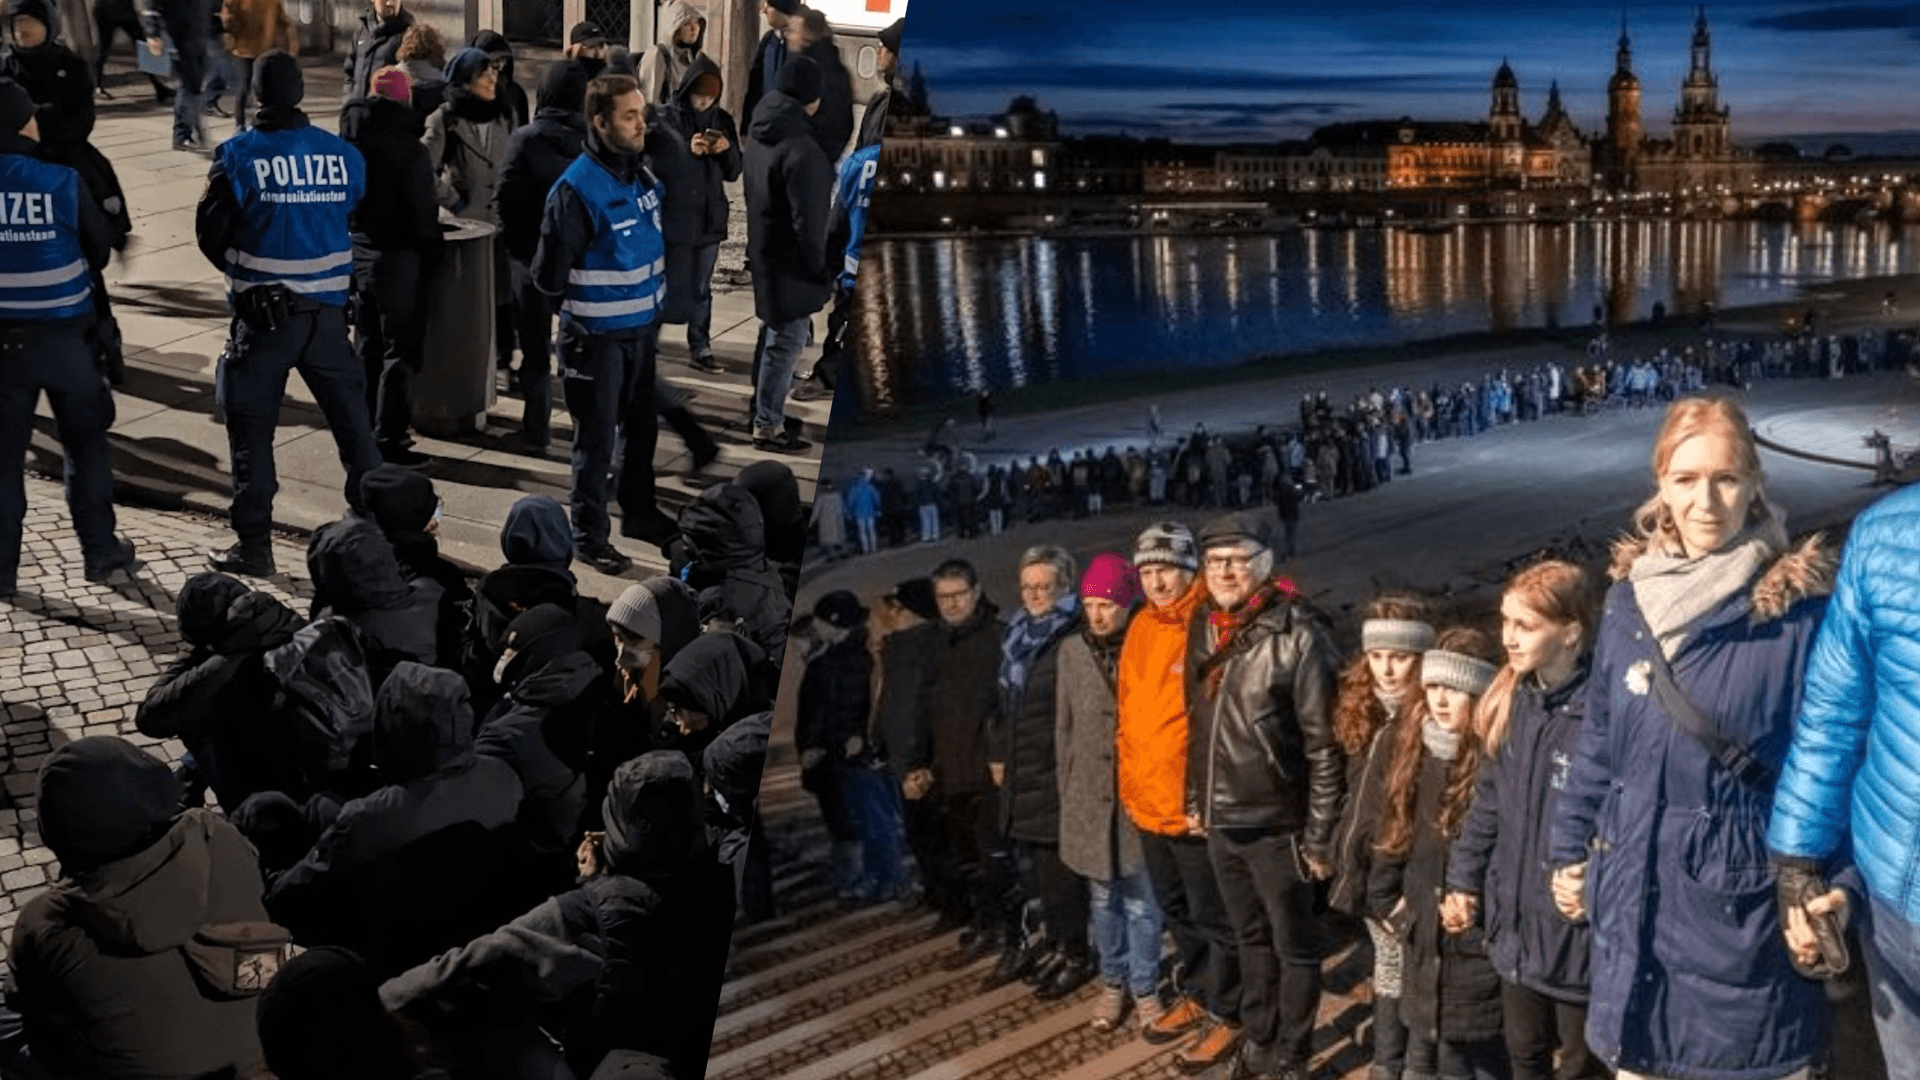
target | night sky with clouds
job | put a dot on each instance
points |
(1219, 71)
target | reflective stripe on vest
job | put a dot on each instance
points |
(620, 282)
(43, 272)
(296, 187)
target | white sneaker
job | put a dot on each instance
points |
(1110, 1008)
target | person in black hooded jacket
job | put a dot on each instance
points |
(693, 168)
(500, 51)
(537, 153)
(724, 540)
(775, 488)
(406, 508)
(397, 245)
(635, 953)
(218, 699)
(809, 35)
(356, 576)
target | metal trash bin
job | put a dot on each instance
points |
(455, 386)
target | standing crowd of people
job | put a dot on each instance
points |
(1605, 835)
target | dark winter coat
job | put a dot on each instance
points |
(833, 121)
(636, 953)
(906, 686)
(62, 91)
(400, 210)
(1261, 752)
(373, 48)
(1449, 991)
(1020, 735)
(1359, 822)
(1097, 840)
(789, 184)
(1501, 856)
(726, 539)
(537, 155)
(423, 746)
(777, 491)
(219, 701)
(1690, 972)
(962, 701)
(542, 729)
(356, 576)
(764, 72)
(873, 122)
(835, 693)
(99, 974)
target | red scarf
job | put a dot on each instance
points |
(1228, 624)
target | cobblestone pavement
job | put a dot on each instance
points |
(76, 659)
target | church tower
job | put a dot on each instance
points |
(1700, 125)
(1622, 145)
(1505, 125)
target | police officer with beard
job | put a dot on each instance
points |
(603, 253)
(274, 220)
(51, 237)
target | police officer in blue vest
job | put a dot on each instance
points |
(52, 238)
(603, 254)
(274, 219)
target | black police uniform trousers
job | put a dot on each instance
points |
(56, 359)
(390, 332)
(608, 380)
(253, 383)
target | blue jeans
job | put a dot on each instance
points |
(1892, 945)
(700, 324)
(60, 362)
(190, 65)
(869, 792)
(1126, 930)
(780, 346)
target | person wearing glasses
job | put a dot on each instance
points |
(1266, 780)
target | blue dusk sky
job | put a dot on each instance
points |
(1219, 71)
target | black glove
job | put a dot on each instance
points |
(1797, 887)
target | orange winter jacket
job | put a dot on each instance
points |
(1152, 733)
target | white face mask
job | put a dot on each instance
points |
(634, 658)
(500, 669)
(433, 527)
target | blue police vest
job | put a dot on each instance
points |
(621, 279)
(295, 188)
(43, 272)
(855, 192)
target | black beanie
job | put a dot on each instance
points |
(277, 80)
(401, 501)
(563, 86)
(840, 609)
(784, 7)
(800, 79)
(916, 595)
(16, 107)
(890, 37)
(36, 9)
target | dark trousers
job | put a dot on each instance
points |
(533, 326)
(1536, 1025)
(1191, 906)
(112, 18)
(60, 362)
(1062, 894)
(978, 865)
(391, 333)
(190, 71)
(1271, 905)
(609, 389)
(242, 92)
(1483, 1059)
(927, 838)
(833, 348)
(251, 387)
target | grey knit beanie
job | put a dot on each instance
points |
(637, 612)
(1467, 674)
(1167, 542)
(1397, 635)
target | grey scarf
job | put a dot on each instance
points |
(1674, 591)
(1440, 742)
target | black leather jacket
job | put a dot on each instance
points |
(1261, 752)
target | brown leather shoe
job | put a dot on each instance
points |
(1185, 1015)
(1218, 1042)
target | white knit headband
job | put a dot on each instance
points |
(1397, 635)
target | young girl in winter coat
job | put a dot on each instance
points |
(1450, 996)
(1529, 723)
(1378, 691)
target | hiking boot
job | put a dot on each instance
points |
(605, 558)
(1185, 1015)
(1148, 1010)
(1110, 1008)
(1068, 976)
(1015, 962)
(245, 560)
(1218, 1042)
(122, 559)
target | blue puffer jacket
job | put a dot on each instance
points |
(1501, 855)
(1860, 717)
(1691, 977)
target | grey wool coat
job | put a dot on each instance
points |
(1097, 841)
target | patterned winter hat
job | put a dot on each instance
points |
(1166, 542)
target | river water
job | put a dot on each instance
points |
(961, 313)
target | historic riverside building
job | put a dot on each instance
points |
(1699, 158)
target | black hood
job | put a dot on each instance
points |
(422, 722)
(776, 490)
(537, 534)
(735, 761)
(375, 120)
(724, 528)
(537, 638)
(778, 118)
(321, 1017)
(563, 89)
(654, 818)
(491, 43)
(679, 612)
(400, 501)
(219, 613)
(683, 94)
(102, 799)
(715, 675)
(354, 568)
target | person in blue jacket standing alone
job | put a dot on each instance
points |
(52, 239)
(274, 220)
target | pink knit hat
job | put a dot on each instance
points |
(1110, 577)
(394, 84)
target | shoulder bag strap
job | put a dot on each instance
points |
(1687, 716)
